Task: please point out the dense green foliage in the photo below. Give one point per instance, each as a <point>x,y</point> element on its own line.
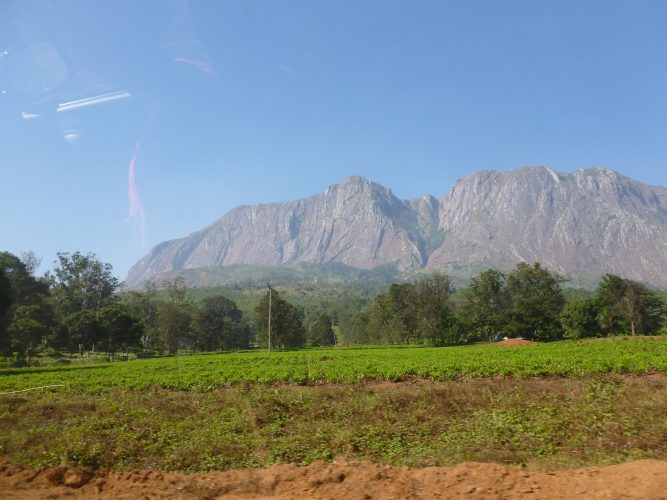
<point>30,317</point>
<point>207,371</point>
<point>485,303</point>
<point>286,328</point>
<point>78,309</point>
<point>417,312</point>
<point>322,333</point>
<point>338,300</point>
<point>220,325</point>
<point>526,303</point>
<point>6,298</point>
<point>625,305</point>
<point>536,301</point>
<point>171,320</point>
<point>529,303</point>
<point>579,319</point>
<point>81,283</point>
<point>6,301</point>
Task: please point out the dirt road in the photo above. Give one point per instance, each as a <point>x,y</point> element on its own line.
<point>645,479</point>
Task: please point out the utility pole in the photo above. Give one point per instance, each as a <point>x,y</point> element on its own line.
<point>268,285</point>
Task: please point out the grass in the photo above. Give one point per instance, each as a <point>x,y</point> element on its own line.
<point>548,406</point>
<point>545,423</point>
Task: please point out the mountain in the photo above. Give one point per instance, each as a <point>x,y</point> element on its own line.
<point>582,225</point>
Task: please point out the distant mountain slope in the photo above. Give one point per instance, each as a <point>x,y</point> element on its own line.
<point>586,223</point>
<point>589,222</point>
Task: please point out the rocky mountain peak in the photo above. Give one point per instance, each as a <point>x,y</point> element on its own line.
<point>354,181</point>
<point>588,222</point>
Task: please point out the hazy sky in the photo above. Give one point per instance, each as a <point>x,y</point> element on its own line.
<point>224,103</point>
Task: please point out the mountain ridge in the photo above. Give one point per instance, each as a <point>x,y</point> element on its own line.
<point>587,222</point>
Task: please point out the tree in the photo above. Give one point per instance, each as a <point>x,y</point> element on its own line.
<point>218,324</point>
<point>109,329</point>
<point>145,305</point>
<point>354,328</point>
<point>608,295</point>
<point>31,262</point>
<point>118,328</point>
<point>81,286</point>
<point>485,304</point>
<point>81,331</point>
<point>174,316</point>
<point>322,333</point>
<point>30,324</point>
<point>6,298</point>
<point>25,288</point>
<point>625,304</point>
<point>422,311</point>
<point>29,297</point>
<point>81,282</point>
<point>432,297</point>
<point>287,330</point>
<point>579,319</point>
<point>6,301</point>
<point>536,301</point>
<point>392,316</point>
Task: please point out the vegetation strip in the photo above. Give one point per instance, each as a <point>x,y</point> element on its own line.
<point>546,423</point>
<point>80,309</point>
<point>336,365</point>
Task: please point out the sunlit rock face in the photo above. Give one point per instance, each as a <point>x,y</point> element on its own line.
<point>586,223</point>
<point>357,222</point>
<point>590,222</point>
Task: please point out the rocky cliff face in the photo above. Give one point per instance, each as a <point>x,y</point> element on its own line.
<point>587,223</point>
<point>356,222</point>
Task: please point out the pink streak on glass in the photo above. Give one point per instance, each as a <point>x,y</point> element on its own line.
<point>136,212</point>
<point>132,193</point>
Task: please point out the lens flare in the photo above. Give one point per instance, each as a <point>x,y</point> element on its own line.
<point>197,63</point>
<point>135,212</point>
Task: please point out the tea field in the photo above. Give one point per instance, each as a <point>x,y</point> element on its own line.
<point>349,365</point>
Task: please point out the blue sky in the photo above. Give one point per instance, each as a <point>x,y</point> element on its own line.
<point>245,102</point>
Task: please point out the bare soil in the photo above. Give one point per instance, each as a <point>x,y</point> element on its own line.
<point>512,342</point>
<point>645,479</point>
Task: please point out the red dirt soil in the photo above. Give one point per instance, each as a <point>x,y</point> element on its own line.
<point>645,479</point>
<point>511,342</point>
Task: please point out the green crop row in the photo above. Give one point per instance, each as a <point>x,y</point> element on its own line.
<point>340,365</point>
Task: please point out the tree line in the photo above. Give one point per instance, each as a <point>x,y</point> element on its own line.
<point>527,302</point>
<point>79,307</point>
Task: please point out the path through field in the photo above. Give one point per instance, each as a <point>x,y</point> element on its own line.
<point>644,479</point>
